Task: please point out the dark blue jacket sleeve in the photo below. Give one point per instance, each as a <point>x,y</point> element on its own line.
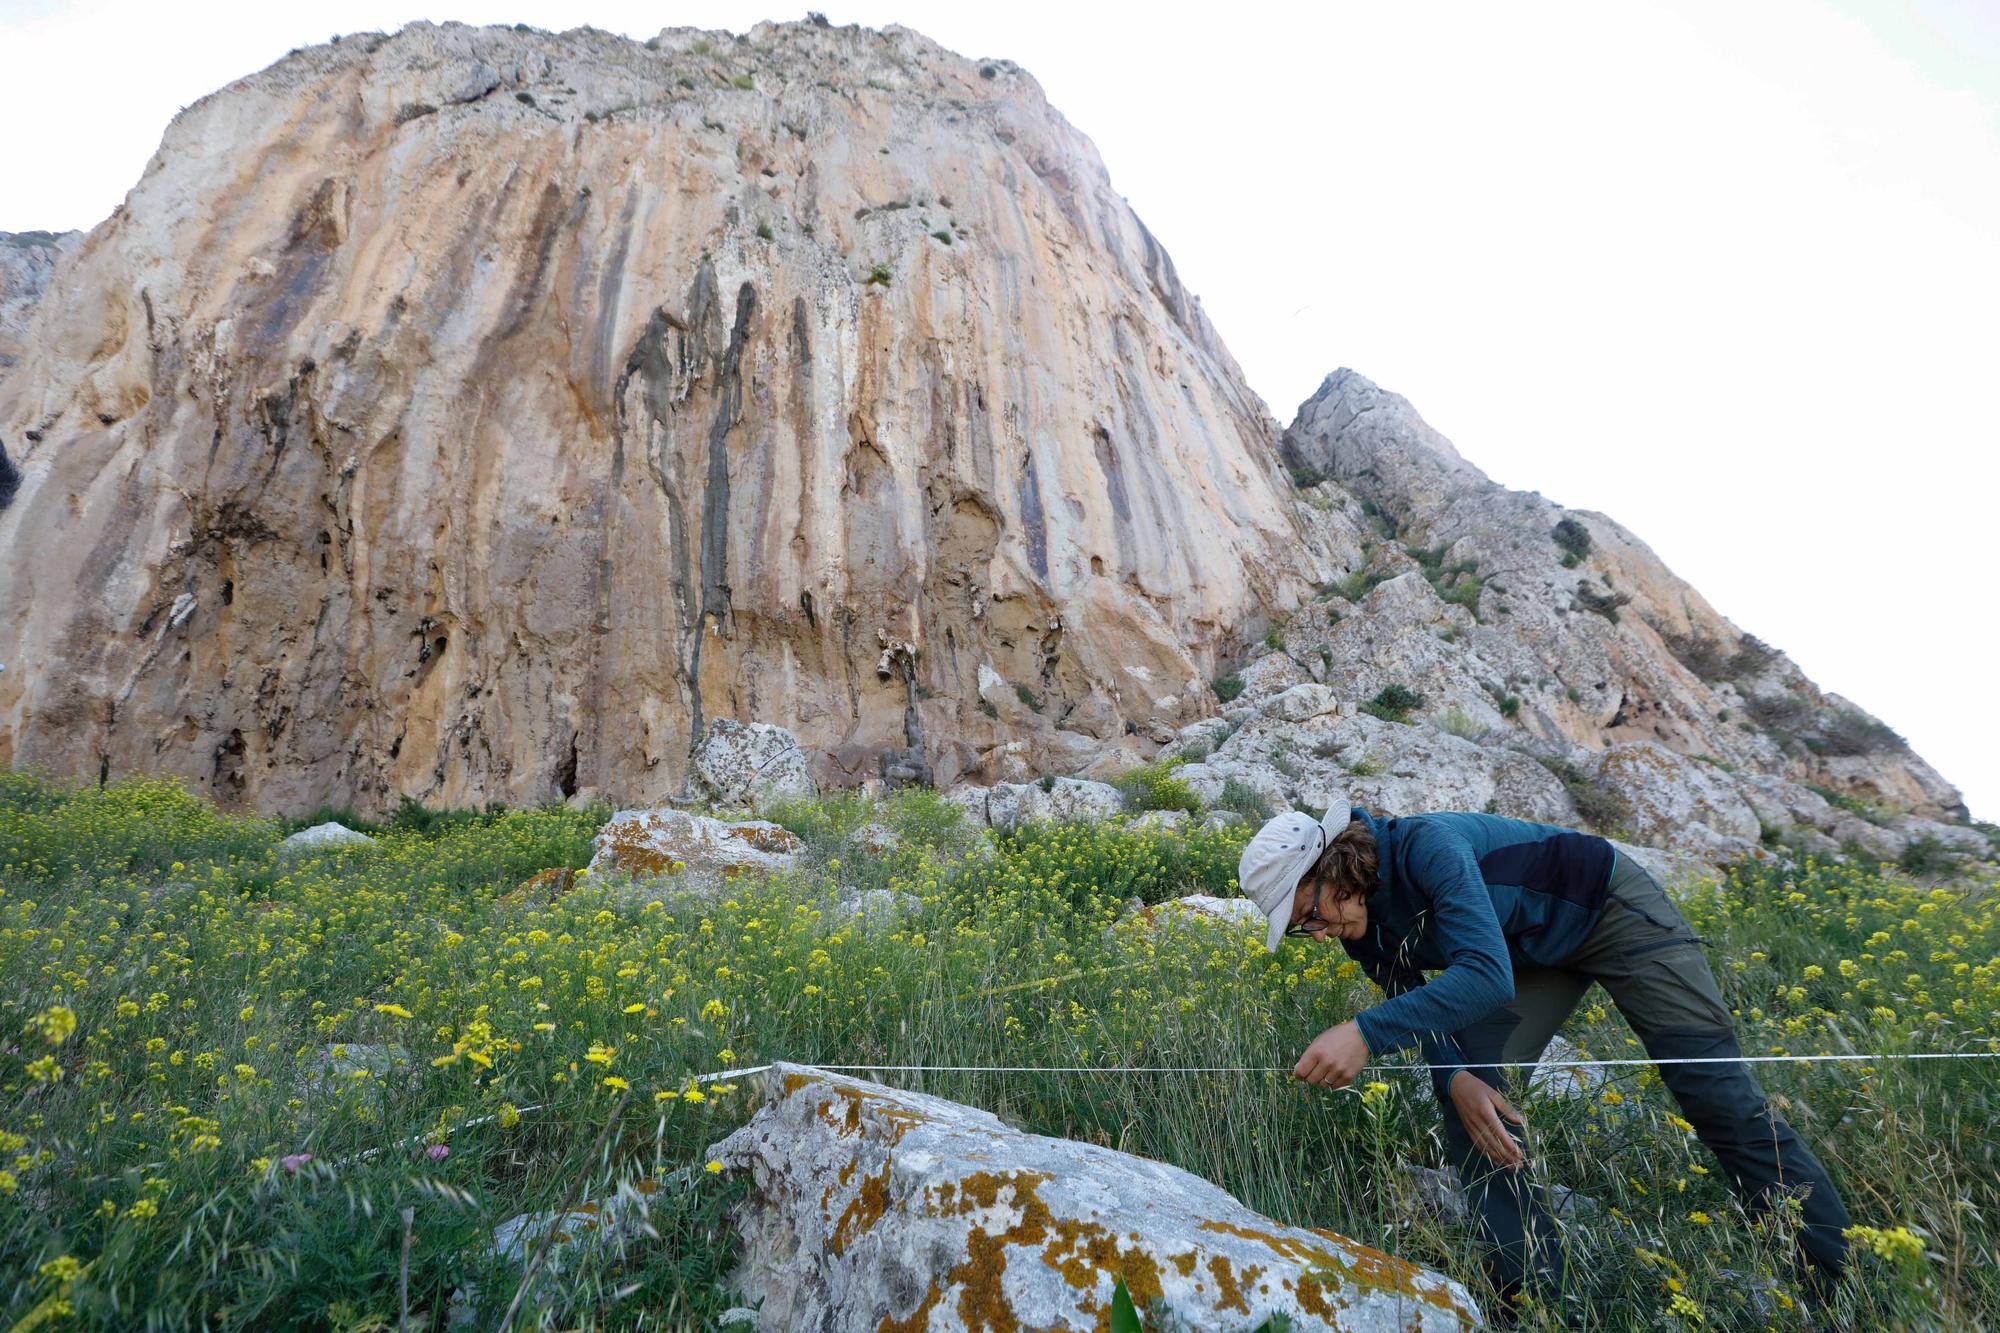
<point>1478,978</point>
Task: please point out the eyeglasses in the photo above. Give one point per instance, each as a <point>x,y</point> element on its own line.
<point>1304,929</point>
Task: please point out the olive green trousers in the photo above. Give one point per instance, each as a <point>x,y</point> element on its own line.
<point>1643,953</point>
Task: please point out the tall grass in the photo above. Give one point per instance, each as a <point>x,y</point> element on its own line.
<point>226,1137</point>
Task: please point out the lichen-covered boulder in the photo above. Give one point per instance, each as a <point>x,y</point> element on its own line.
<point>876,1208</point>
<point>752,765</point>
<point>646,844</point>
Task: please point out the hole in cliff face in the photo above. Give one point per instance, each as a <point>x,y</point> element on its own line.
<point>566,772</point>
<point>228,765</point>
<point>806,605</point>
<point>10,478</point>
<point>228,591</point>
<point>1097,565</point>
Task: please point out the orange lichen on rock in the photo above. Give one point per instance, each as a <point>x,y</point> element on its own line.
<point>543,886</point>
<point>1360,1263</point>
<point>766,837</point>
<point>633,849</point>
<point>863,1211</point>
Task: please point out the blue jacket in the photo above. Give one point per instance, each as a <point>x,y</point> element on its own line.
<point>1468,896</point>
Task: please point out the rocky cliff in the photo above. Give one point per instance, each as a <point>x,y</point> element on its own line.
<point>473,413</point>
<point>477,413</point>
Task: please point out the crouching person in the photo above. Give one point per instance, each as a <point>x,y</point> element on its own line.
<point>1514,921</point>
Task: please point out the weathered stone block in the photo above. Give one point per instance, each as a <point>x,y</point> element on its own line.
<point>876,1208</point>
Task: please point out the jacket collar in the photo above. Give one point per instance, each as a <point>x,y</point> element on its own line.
<point>1386,833</point>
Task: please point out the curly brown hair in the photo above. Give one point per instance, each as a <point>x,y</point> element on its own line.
<point>1348,865</point>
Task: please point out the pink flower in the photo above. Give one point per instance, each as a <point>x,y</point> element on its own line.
<point>295,1161</point>
<point>437,1152</point>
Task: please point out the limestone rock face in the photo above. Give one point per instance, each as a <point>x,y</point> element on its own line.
<point>1474,604</point>
<point>473,414</point>
<point>1679,804</point>
<point>874,1207</point>
<point>27,261</point>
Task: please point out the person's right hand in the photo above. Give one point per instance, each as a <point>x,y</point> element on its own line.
<point>1480,1108</point>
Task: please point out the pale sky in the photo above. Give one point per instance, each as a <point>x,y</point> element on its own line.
<point>1727,272</point>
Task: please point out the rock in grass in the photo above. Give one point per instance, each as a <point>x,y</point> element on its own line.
<point>340,1064</point>
<point>752,765</point>
<point>1201,909</point>
<point>322,836</point>
<point>878,909</point>
<point>648,844</point>
<point>875,1208</point>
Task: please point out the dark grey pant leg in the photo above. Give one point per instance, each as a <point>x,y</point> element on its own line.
<point>1644,953</point>
<point>1511,1204</point>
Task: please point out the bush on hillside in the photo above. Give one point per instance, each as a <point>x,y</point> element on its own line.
<point>1574,539</point>
<point>1154,787</point>
<point>1243,799</point>
<point>1394,703</point>
<point>1604,604</point>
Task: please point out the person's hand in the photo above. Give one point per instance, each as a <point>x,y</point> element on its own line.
<point>1480,1108</point>
<point>1334,1058</point>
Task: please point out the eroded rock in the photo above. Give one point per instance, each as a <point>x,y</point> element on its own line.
<point>647,844</point>
<point>874,1207</point>
<point>321,837</point>
<point>752,765</point>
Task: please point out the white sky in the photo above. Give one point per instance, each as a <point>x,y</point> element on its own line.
<point>1727,272</point>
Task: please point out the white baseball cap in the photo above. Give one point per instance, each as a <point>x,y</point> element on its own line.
<point>1277,858</point>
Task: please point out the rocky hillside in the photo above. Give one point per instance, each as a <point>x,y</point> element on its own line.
<point>481,413</point>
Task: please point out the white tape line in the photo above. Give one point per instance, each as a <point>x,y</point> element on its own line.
<point>1286,1069</point>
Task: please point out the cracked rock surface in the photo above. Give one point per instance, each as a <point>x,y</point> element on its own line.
<point>873,1207</point>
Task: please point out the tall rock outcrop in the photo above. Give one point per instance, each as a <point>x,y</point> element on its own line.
<point>475,413</point>
<point>1557,628</point>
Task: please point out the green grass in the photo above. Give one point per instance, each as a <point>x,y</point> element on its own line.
<point>1154,787</point>
<point>144,1177</point>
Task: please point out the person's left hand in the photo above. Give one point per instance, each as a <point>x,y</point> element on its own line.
<point>1335,1057</point>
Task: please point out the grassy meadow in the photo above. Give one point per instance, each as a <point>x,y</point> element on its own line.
<point>228,1076</point>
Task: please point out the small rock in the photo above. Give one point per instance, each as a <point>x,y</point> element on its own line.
<point>336,1065</point>
<point>1202,909</point>
<point>320,837</point>
<point>1556,1076</point>
<point>873,839</point>
<point>878,909</point>
<point>1273,673</point>
<point>1301,703</point>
